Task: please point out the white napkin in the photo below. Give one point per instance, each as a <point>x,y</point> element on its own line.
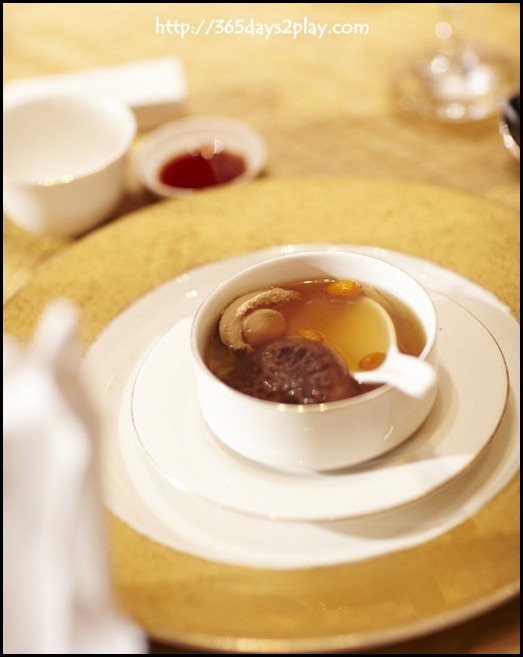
<point>153,88</point>
<point>57,592</point>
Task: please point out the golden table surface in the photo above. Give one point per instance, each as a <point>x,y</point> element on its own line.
<point>325,108</point>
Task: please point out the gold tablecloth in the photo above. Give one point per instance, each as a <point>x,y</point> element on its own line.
<point>324,105</point>
<point>325,109</point>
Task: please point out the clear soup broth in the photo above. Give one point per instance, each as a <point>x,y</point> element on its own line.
<point>326,312</point>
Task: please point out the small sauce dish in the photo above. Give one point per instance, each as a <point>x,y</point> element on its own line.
<point>191,154</point>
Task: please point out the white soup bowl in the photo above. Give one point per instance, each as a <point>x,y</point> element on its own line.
<point>321,436</point>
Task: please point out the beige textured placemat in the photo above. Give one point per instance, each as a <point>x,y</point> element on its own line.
<point>324,106</point>
<point>108,269</point>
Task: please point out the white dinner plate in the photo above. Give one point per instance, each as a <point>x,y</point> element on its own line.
<point>184,521</point>
<point>184,451</point>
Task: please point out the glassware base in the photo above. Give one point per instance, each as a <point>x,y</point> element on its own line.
<point>468,88</point>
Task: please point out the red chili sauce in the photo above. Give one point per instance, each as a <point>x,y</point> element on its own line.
<point>202,169</point>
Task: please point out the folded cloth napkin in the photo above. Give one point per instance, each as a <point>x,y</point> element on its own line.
<point>57,591</point>
<point>153,88</point>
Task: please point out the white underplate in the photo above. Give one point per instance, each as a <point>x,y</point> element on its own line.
<point>178,137</point>
<point>184,451</point>
<point>135,492</point>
